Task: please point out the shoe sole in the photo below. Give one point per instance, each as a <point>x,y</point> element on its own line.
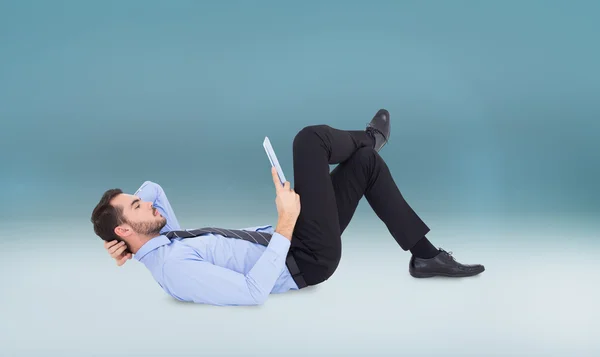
<point>431,275</point>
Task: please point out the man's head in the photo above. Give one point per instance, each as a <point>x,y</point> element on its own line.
<point>124,217</point>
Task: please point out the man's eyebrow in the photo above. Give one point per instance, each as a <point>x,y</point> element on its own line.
<point>135,201</point>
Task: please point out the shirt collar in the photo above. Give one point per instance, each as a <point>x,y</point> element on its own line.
<point>151,245</point>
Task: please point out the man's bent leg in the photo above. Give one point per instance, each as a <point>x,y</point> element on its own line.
<point>366,173</point>
<point>324,216</point>
<point>316,242</point>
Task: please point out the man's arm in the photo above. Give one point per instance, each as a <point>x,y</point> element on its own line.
<point>202,282</point>
<point>152,192</point>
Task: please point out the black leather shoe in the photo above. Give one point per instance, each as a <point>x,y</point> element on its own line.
<point>379,128</point>
<point>442,264</point>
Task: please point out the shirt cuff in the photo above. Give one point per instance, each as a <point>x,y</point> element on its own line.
<point>279,244</point>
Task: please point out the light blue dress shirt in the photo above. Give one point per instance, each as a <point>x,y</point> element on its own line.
<point>212,269</point>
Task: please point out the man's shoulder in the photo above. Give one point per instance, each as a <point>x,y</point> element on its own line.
<point>173,266</point>
<point>179,253</point>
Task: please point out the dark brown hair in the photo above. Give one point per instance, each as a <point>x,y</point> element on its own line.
<point>107,217</point>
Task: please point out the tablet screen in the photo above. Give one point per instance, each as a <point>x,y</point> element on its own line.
<point>273,159</point>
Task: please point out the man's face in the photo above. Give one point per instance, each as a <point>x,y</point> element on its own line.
<point>139,215</point>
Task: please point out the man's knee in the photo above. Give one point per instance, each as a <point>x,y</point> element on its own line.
<point>309,134</point>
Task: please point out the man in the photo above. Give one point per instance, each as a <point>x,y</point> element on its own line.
<point>242,267</point>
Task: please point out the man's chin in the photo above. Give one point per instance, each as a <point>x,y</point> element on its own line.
<point>156,231</point>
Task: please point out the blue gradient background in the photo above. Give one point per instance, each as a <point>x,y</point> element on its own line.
<point>495,144</point>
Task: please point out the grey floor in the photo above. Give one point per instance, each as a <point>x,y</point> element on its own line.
<point>63,296</point>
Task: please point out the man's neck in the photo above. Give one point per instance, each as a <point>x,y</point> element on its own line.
<point>136,243</point>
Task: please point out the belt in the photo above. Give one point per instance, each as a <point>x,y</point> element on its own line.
<point>297,275</point>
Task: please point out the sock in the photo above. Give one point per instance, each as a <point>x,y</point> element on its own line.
<point>424,249</point>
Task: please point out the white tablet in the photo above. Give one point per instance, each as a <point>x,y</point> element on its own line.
<point>273,159</point>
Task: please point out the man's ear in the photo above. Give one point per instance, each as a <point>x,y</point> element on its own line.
<point>123,230</point>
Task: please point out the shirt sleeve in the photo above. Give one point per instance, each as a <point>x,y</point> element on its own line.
<point>198,281</point>
<point>153,192</point>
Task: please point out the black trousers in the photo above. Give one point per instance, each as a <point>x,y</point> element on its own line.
<point>329,200</point>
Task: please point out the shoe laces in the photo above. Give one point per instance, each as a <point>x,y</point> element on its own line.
<point>373,130</point>
<point>449,253</point>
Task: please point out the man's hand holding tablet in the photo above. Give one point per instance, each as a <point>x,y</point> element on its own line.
<point>287,200</point>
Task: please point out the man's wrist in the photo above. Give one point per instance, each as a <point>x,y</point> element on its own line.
<point>285,226</point>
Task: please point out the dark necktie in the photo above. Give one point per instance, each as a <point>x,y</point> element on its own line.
<point>251,236</point>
